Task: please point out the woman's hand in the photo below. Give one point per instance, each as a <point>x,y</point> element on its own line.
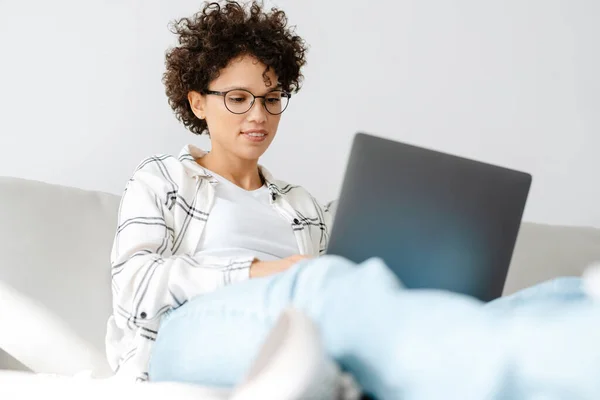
<point>259,268</point>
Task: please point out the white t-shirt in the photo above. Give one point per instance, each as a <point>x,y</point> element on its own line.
<point>243,223</point>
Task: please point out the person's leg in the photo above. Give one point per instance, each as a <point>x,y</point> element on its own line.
<point>213,339</point>
<point>397,343</point>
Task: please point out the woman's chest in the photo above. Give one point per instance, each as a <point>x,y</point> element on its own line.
<point>224,216</point>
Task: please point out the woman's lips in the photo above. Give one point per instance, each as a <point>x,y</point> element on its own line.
<point>257,135</point>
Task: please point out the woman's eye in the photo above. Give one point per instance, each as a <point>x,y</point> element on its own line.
<point>237,99</point>
<point>274,100</point>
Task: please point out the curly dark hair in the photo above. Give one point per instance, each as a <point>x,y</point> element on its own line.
<point>211,38</point>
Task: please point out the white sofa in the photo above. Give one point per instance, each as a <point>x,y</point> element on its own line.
<point>55,245</point>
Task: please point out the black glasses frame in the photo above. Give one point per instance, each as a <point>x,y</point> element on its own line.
<point>264,98</point>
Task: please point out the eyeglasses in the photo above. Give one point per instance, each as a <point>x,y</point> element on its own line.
<point>240,101</point>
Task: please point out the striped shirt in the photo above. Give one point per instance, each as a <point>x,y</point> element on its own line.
<point>155,268</point>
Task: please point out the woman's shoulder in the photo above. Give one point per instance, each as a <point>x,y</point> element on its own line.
<point>161,172</point>
<point>299,194</point>
<point>294,193</point>
<point>159,163</point>
<point>285,188</point>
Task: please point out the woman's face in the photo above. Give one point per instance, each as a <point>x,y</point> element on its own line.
<point>248,135</point>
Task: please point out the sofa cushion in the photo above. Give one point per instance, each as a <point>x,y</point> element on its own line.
<point>55,246</point>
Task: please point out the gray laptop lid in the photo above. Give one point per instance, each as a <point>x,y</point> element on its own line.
<point>438,221</point>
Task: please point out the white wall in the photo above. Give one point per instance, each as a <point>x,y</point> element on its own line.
<point>510,82</point>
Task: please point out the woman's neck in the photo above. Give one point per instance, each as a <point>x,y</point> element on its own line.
<point>243,173</point>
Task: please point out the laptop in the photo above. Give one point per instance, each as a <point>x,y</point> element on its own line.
<point>437,220</point>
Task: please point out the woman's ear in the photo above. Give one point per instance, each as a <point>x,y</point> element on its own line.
<point>197,104</point>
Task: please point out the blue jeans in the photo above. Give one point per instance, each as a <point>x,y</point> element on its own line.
<point>409,344</point>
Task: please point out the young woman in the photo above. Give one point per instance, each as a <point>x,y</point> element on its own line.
<point>195,231</point>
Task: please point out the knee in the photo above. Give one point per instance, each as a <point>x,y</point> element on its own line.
<point>334,273</point>
<point>322,270</point>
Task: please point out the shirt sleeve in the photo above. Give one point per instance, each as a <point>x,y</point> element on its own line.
<point>147,279</point>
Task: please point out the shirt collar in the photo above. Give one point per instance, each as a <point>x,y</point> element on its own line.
<point>190,153</point>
